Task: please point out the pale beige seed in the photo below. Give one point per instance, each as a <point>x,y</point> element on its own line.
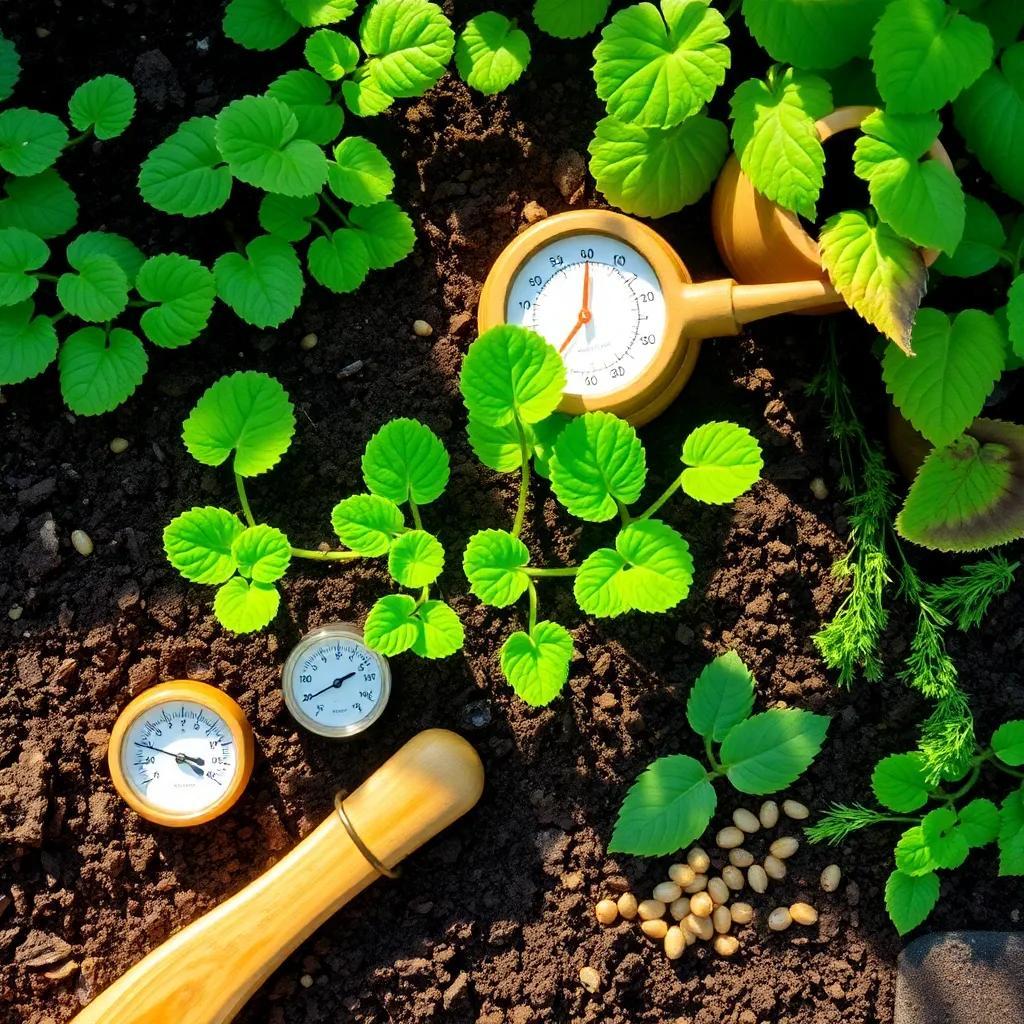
<point>308,342</point>
<point>650,910</point>
<point>682,874</point>
<point>627,906</point>
<point>819,488</point>
<point>733,877</point>
<point>701,905</point>
<point>721,919</point>
<point>699,884</point>
<point>654,929</point>
<point>15,612</point>
<point>718,890</point>
<point>675,943</point>
<point>729,838</point>
<point>779,919</point>
<point>687,935</point>
<point>81,542</point>
<point>422,329</point>
<point>680,908</point>
<point>757,878</point>
<point>743,819</point>
<point>740,858</point>
<point>606,912</point>
<point>803,913</point>
<point>742,913</point>
<point>667,892</point>
<point>784,846</point>
<point>831,877</point>
<point>768,815</point>
<point>795,810</point>
<point>726,945</point>
<point>306,981</point>
<point>700,926</point>
<point>774,868</point>
<point>590,979</point>
<point>119,445</point>
<point>698,860</point>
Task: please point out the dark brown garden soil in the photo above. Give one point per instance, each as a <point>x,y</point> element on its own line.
<point>492,922</point>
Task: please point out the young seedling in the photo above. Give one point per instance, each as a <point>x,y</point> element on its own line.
<point>247,417</point>
<point>512,382</point>
<point>674,800</point>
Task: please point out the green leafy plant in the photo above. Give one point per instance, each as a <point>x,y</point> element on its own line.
<point>491,53</point>
<point>673,801</point>
<point>248,418</point>
<point>945,823</point>
<point>512,383</point>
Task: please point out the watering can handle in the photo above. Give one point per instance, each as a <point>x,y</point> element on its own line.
<point>205,973</point>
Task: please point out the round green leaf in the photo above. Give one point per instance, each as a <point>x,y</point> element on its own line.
<point>722,697</point>
<point>667,808</point>
<point>28,343</point>
<point>184,291</point>
<point>96,291</point>
<point>406,461</point>
<point>386,230</point>
<point>408,43</point>
<point>652,172</point>
<point>390,627</point>
<point>723,461</point>
<point>319,12</point>
<point>946,843</point>
<point>978,822</point>
<point>494,563</point>
<point>98,372</point>
<point>309,98</point>
<point>598,464</point>
<point>331,55</point>
<point>360,173</point>
<point>30,141</point>
<point>287,217</point>
<point>498,448</point>
<point>657,68</point>
<point>244,607</point>
<point>912,854</point>
<point>416,559</point>
<point>123,251</point>
<point>910,899</point>
<point>21,252</point>
<point>899,782</point>
<point>186,174</point>
<point>247,413</point>
<point>262,553</point>
<point>439,631</point>
<point>367,523</point>
<point>199,543</point>
<point>263,287</point>
<point>362,95</point>
<point>569,19</point>
<point>491,53</point>
<point>340,262</point>
<point>259,24</point>
<point>257,136</point>
<point>537,665</point>
<point>770,751</point>
<point>1008,743</point>
<point>511,372</point>
<point>10,67</point>
<point>106,104</point>
<point>980,246</point>
<point>43,204</point>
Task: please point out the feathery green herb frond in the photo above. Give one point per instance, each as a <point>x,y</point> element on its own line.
<point>965,599</point>
<point>842,819</point>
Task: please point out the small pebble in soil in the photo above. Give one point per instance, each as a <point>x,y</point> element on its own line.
<point>768,815</point>
<point>351,370</point>
<point>795,810</point>
<point>308,342</point>
<point>780,919</point>
<point>422,329</point>
<point>627,906</point>
<point>726,945</point>
<point>81,542</point>
<point>774,868</point>
<point>306,981</point>
<point>745,820</point>
<point>803,913</point>
<point>590,979</point>
<point>477,714</point>
<point>119,445</point>
<point>819,488</point>
<point>784,846</point>
<point>533,212</point>
<point>14,612</point>
<point>831,877</point>
<point>606,911</point>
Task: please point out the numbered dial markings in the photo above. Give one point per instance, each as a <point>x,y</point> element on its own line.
<point>179,757</point>
<point>599,302</point>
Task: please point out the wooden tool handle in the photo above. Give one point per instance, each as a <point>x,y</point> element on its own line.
<point>207,972</point>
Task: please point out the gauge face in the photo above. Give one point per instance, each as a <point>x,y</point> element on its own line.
<point>179,757</point>
<point>334,684</point>
<point>599,302</point>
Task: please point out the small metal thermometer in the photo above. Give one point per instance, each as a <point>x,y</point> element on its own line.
<point>334,685</point>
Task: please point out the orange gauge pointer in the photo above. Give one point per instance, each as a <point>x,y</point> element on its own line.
<point>585,315</point>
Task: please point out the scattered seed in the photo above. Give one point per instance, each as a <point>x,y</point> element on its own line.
<point>422,329</point>
<point>733,877</point>
<point>700,926</point>
<point>656,929</point>
<point>81,542</point>
<point>308,341</point>
<point>688,936</point>
<point>701,905</point>
<point>819,488</point>
<point>743,819</point>
<point>675,943</point>
<point>774,868</point>
<point>698,860</point>
<point>699,884</point>
<point>784,846</point>
<point>742,913</point>
<point>682,874</point>
<point>721,919</point>
<point>650,910</point>
<point>680,908</point>
<point>726,945</point>
<point>729,838</point>
<point>628,906</point>
<point>740,858</point>
<point>717,890</point>
<point>590,979</point>
<point>15,612</point>
<point>606,911</point>
<point>768,815</point>
<point>119,445</point>
<point>831,877</point>
<point>803,913</point>
<point>306,981</point>
<point>795,810</point>
<point>757,878</point>
<point>667,892</point>
<point>779,919</point>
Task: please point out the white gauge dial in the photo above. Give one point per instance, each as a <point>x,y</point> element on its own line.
<point>599,302</point>
<point>333,683</point>
<point>179,757</point>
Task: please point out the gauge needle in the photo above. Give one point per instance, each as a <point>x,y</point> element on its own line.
<point>585,315</point>
<point>336,685</point>
<point>192,762</point>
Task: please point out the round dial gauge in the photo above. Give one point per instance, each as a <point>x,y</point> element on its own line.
<point>181,753</point>
<point>334,685</point>
<point>598,300</point>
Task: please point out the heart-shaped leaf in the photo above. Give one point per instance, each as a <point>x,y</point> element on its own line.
<point>309,98</point>
<point>770,751</point>
<point>262,553</point>
<point>242,606</point>
<point>390,627</point>
<point>416,559</point>
<point>406,461</point>
<point>30,141</point>
<point>199,543</point>
<point>491,53</point>
<point>339,262</point>
<point>1008,743</point>
<point>723,461</point>
<point>362,95</point>
<point>186,174</point>
<point>899,782</point>
<point>409,44</point>
<point>367,523</point>
<point>1011,834</point>
<point>440,631</point>
<point>912,855</point>
<point>96,291</point>
<point>946,843</point>
<point>184,292</point>
<point>360,173</point>
<point>979,822</point>
<point>537,665</point>
<point>264,287</point>
<point>99,371</point>
<point>43,204</point>
<point>123,251</point>
<point>105,104</point>
<point>28,343</point>
<point>21,252</point>
<point>330,54</point>
<point>288,217</point>
<point>386,230</point>
<point>10,68</point>
<point>722,697</point>
<point>495,565</point>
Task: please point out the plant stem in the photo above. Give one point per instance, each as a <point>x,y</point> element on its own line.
<point>243,499</point>
<point>325,556</point>
<point>541,574</point>
<point>668,492</point>
<point>1006,768</point>
<point>524,480</point>
<point>967,786</point>
<point>45,277</point>
<point>624,515</point>
<point>322,225</point>
<point>710,754</point>
<point>424,595</point>
<point>532,591</point>
<point>78,138</point>
<point>414,508</point>
<point>335,209</point>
